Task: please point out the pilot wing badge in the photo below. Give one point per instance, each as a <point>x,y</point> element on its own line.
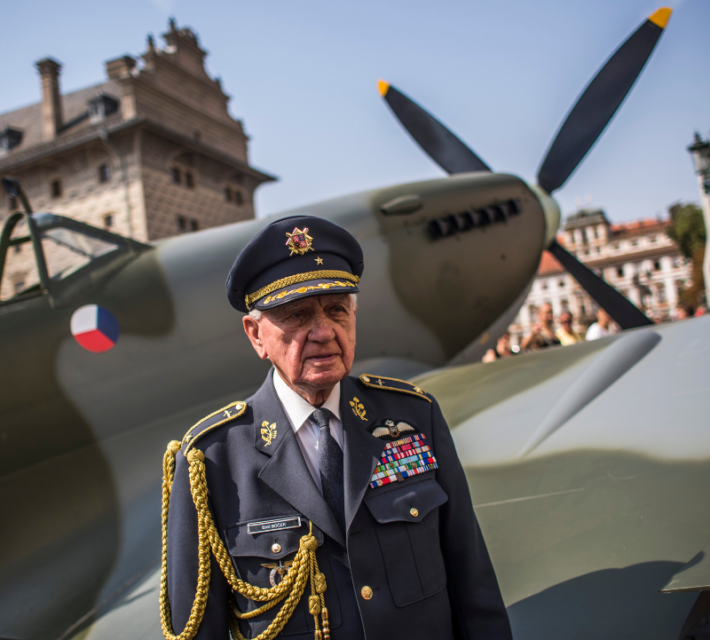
<point>393,430</point>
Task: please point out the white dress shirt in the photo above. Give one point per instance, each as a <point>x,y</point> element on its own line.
<point>298,411</point>
<point>596,331</point>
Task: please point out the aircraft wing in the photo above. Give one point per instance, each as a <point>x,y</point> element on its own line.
<point>585,465</point>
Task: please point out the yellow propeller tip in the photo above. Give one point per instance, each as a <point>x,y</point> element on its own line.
<point>383,87</point>
<point>661,17</point>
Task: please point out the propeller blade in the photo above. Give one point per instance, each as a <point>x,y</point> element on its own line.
<point>442,146</point>
<point>623,312</point>
<point>597,105</point>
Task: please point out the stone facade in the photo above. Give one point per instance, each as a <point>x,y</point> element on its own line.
<point>637,258</point>
<point>150,153</point>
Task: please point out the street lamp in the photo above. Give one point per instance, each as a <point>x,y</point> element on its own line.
<point>700,152</point>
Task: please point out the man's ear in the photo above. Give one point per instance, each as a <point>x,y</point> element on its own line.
<point>253,331</point>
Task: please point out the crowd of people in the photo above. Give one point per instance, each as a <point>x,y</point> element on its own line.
<point>545,334</point>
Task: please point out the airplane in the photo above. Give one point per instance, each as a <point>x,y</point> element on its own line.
<point>105,362</point>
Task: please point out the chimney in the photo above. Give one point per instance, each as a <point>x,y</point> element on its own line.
<point>52,118</point>
<point>120,67</point>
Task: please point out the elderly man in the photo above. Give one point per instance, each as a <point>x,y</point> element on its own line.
<point>324,506</point>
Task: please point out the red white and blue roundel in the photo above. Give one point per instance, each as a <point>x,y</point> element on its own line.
<point>94,328</point>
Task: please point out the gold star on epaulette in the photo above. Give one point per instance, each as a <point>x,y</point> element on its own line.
<point>393,384</point>
<point>212,421</point>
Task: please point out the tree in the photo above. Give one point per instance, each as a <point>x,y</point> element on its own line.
<point>687,230</point>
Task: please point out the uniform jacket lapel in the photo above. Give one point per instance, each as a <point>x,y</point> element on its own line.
<point>286,471</point>
<point>361,450</point>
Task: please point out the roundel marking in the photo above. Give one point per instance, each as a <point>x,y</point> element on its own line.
<point>94,328</point>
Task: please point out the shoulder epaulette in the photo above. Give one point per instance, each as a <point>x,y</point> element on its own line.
<point>393,384</point>
<point>212,421</point>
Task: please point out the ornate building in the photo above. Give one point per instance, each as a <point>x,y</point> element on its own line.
<point>150,153</point>
<point>637,258</point>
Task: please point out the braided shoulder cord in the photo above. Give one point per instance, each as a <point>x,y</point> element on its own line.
<point>291,588</point>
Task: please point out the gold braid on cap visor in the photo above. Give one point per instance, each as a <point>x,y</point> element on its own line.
<point>251,298</point>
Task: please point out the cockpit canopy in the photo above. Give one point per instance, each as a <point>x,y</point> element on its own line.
<point>64,259</point>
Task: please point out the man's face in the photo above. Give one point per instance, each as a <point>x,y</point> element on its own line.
<point>603,318</point>
<point>311,342</point>
<point>566,321</point>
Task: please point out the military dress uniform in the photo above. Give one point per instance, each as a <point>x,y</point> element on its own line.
<point>404,559</point>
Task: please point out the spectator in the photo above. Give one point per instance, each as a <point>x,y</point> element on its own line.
<point>543,333</point>
<point>700,311</point>
<point>600,328</point>
<point>502,350</point>
<point>566,334</point>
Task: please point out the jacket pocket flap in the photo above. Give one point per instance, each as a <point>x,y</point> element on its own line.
<point>408,503</point>
<point>253,539</point>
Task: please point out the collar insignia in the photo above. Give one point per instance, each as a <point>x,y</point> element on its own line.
<point>299,241</point>
<point>358,408</point>
<point>268,432</point>
<point>391,429</point>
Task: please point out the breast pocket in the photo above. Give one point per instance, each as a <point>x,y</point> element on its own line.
<point>261,553</point>
<point>408,533</point>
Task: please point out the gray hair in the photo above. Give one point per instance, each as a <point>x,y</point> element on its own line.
<point>256,313</point>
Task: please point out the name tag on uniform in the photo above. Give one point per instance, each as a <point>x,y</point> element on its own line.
<point>278,524</point>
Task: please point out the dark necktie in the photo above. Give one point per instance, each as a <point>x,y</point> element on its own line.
<point>330,461</point>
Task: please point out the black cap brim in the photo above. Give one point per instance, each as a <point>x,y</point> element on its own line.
<point>326,286</point>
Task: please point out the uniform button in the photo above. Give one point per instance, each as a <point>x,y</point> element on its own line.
<point>365,379</point>
<point>366,593</point>
<point>276,547</point>
<point>413,512</point>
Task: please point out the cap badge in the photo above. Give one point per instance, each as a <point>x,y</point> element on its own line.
<point>299,241</point>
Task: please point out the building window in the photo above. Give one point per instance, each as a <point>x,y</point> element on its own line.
<point>634,242</point>
<point>661,294</point>
<point>18,285</point>
<point>598,249</point>
<point>104,173</point>
<point>543,285</point>
<point>564,305</point>
<point>194,225</point>
<point>177,175</point>
<point>182,223</point>
<point>616,246</point>
<point>238,198</point>
<point>619,272</point>
<point>227,194</point>
<point>652,239</point>
<point>189,180</point>
<point>55,188</point>
<point>584,236</point>
<point>656,265</point>
<point>108,220</point>
<point>18,248</point>
<point>561,283</point>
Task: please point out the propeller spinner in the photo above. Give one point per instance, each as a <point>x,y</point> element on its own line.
<point>581,128</point>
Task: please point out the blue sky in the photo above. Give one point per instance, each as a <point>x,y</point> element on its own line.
<point>502,75</point>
